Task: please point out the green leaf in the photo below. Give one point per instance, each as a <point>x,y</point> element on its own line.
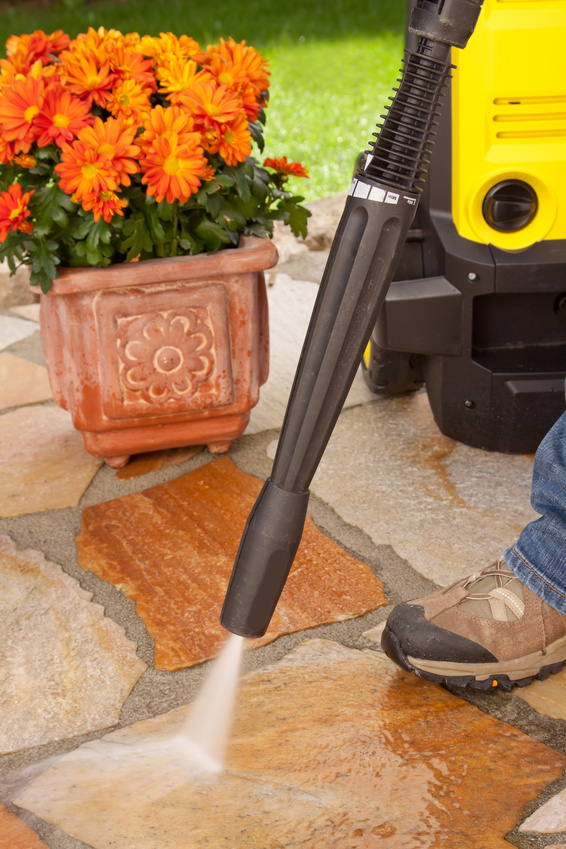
<point>138,238</point>
<point>155,227</point>
<point>43,254</point>
<point>256,131</point>
<point>238,172</point>
<point>212,235</point>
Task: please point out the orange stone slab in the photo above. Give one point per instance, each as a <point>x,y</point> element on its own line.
<point>15,834</point>
<point>172,547</point>
<point>332,748</point>
<point>22,382</point>
<point>141,464</point>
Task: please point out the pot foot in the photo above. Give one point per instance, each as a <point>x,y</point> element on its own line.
<point>219,447</point>
<point>117,462</point>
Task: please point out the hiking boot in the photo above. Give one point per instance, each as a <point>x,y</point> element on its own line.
<point>484,631</point>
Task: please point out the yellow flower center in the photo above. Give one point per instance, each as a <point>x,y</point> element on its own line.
<point>60,120</point>
<point>124,100</point>
<point>89,170</point>
<point>107,149</point>
<point>171,165</point>
<point>229,137</point>
<point>15,213</point>
<point>30,113</point>
<point>212,109</point>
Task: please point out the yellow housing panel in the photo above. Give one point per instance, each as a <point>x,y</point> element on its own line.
<point>509,118</point>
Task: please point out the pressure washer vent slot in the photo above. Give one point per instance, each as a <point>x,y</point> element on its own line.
<point>529,117</point>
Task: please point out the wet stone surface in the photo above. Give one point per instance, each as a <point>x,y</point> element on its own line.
<point>171,549</point>
<point>407,773</point>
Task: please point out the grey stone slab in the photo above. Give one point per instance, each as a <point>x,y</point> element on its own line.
<point>13,329</point>
<point>446,508</point>
<point>290,306</point>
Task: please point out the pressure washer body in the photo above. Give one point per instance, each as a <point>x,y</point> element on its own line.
<point>366,249</point>
<point>477,309</point>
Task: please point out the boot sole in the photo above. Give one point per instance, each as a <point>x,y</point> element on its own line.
<point>480,676</point>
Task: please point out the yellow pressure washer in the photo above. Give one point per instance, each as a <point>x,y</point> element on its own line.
<point>477,310</point>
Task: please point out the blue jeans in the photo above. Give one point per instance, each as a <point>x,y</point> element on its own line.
<point>538,558</point>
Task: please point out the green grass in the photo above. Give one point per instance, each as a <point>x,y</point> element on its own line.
<point>333,65</point>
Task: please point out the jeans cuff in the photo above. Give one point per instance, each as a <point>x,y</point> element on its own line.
<point>529,576</point>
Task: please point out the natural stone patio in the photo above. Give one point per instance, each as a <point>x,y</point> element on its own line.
<point>332,746</point>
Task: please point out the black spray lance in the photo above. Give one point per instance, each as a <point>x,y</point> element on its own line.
<point>365,252</point>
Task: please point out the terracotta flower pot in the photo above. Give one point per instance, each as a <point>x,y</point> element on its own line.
<point>161,353</point>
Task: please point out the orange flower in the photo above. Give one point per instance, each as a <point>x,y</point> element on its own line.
<point>104,204</point>
<point>173,171</point>
<point>235,141</point>
<point>83,171</point>
<point>61,117</point>
<point>178,76</point>
<point>6,151</point>
<point>129,101</point>
<point>20,104</point>
<point>168,47</point>
<point>129,64</point>
<point>24,50</point>
<point>84,76</point>
<point>283,167</point>
<point>249,60</point>
<point>211,104</point>
<point>113,143</point>
<point>163,123</point>
<point>14,211</point>
<point>236,80</point>
<point>25,160</point>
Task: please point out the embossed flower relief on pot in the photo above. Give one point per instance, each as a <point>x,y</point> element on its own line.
<point>165,356</point>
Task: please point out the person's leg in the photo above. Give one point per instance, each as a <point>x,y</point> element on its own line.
<point>538,557</point>
<point>506,624</point>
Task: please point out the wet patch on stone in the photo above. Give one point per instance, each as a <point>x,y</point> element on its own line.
<point>22,382</point>
<point>331,747</point>
<point>15,834</point>
<point>171,548</point>
<point>547,697</point>
<point>43,461</point>
<point>65,668</point>
<point>142,464</point>
<point>446,508</point>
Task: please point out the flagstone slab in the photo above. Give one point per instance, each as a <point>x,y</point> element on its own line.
<point>13,329</point>
<point>43,461</point>
<point>550,818</point>
<point>22,382</point>
<point>290,306</point>
<point>28,311</point>
<point>446,508</point>
<point>65,668</point>
<point>15,834</point>
<point>547,697</point>
<point>171,548</point>
<point>331,747</point>
<point>142,464</point>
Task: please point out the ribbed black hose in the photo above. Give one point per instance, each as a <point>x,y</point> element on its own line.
<point>400,155</point>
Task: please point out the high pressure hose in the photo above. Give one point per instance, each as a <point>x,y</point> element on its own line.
<point>366,249</point>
